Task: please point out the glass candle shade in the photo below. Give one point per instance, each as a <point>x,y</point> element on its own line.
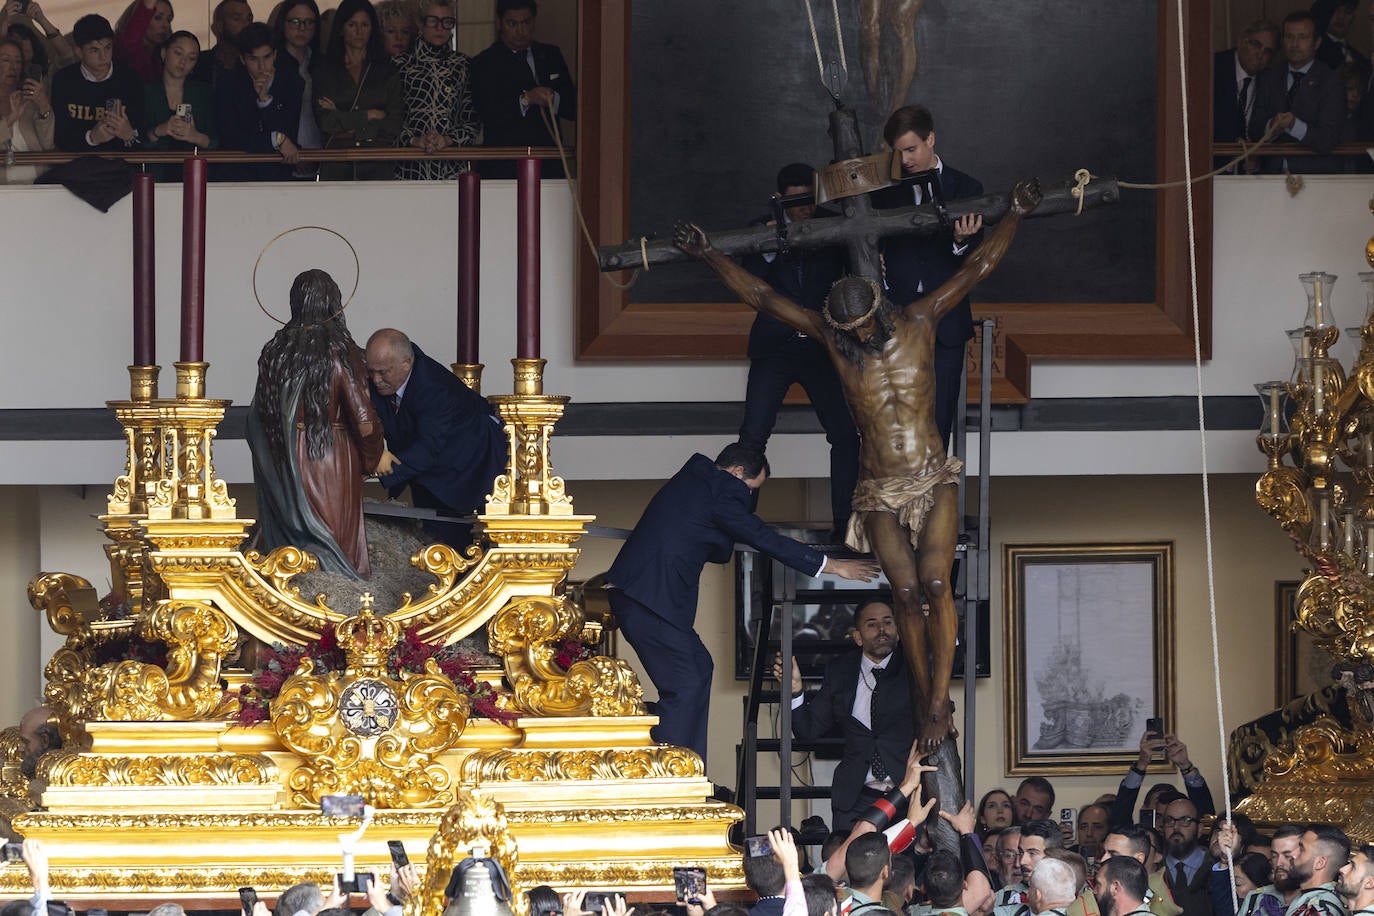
<point>1317,285</point>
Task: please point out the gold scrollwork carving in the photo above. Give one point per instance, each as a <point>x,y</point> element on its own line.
<point>223,769</point>
<point>198,636</point>
<point>282,565</point>
<point>473,820</point>
<point>524,634</point>
<point>1280,492</point>
<point>445,564</point>
<point>515,765</point>
<point>1320,773</point>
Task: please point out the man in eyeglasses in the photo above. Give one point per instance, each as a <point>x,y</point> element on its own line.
<point>439,110</point>
<point>1235,73</point>
<point>1186,862</point>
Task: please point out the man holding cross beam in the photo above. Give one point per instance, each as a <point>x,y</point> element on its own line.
<point>905,506</point>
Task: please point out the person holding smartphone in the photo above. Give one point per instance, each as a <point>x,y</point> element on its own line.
<point>180,109</point>
<point>1156,743</point>
<point>97,101</point>
<point>26,122</point>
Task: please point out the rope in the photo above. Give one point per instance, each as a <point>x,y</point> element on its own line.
<point>1202,440</point>
<point>839,33</point>
<point>552,124</point>
<point>815,40</point>
<point>1083,176</point>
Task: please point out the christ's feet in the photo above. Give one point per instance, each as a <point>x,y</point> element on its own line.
<point>937,726</point>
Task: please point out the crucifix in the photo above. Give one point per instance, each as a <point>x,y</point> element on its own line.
<point>905,509</point>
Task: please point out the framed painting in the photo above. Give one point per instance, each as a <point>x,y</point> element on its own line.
<point>1302,666</point>
<point>1089,653</point>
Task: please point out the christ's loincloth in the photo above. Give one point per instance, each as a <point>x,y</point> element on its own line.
<point>908,498</point>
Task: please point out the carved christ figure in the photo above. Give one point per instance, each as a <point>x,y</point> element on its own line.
<point>905,507</point>
<point>900,17</point>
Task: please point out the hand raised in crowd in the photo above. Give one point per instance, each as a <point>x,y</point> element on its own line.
<point>262,86</point>
<point>336,897</point>
<point>19,103</point>
<point>967,226</point>
<point>13,8</point>
<point>707,901</point>
<point>327,104</point>
<point>36,858</point>
<point>965,821</point>
<point>911,779</point>
<point>179,128</point>
<point>857,569</point>
<point>402,884</point>
<point>290,152</point>
<point>785,850</point>
<point>1149,747</point>
<point>260,909</point>
<point>1177,752</point>
<point>796,673</point>
<point>118,124</point>
<point>1225,841</point>
<point>37,96</point>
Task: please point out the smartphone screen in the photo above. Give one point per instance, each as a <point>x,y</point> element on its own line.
<point>341,805</point>
<point>398,854</point>
<point>758,846</point>
<point>689,884</point>
<point>248,898</point>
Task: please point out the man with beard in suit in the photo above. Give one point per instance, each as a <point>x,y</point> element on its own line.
<point>443,440</point>
<point>863,698</point>
<point>516,83</point>
<point>915,265</point>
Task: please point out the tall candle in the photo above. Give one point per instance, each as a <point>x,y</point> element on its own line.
<point>145,308</point>
<point>527,259</point>
<point>193,261</point>
<point>1274,410</point>
<point>469,265</point>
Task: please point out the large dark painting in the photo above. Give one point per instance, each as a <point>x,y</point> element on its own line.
<point>724,92</point>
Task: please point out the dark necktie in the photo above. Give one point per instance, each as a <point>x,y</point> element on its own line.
<point>1243,98</point>
<point>876,764</point>
<point>396,403</point>
<point>1180,876</point>
<point>1297,76</point>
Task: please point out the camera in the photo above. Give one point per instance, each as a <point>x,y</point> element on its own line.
<point>14,852</point>
<point>342,805</point>
<point>112,107</point>
<point>756,846</point>
<point>361,881</point>
<point>689,884</point>
<point>595,901</point>
<point>184,111</point>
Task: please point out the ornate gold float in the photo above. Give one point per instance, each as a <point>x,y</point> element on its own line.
<point>1323,497</point>
<point>157,790</point>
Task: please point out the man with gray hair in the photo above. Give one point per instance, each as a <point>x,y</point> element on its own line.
<point>1052,887</point>
<point>302,899</point>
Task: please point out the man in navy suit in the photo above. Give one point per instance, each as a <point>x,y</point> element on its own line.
<point>517,82</point>
<point>1304,99</point>
<point>780,356</point>
<point>1235,77</point>
<point>442,438</point>
<point>258,109</point>
<point>916,265</point>
<point>694,519</point>
<point>864,699</point>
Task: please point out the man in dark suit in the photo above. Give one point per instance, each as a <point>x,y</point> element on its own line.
<point>696,518</point>
<point>515,83</point>
<point>864,699</point>
<point>258,109</point>
<point>780,356</point>
<point>1187,863</point>
<point>1305,99</point>
<point>916,265</point>
<point>1334,19</point>
<point>442,438</point>
<point>1234,74</point>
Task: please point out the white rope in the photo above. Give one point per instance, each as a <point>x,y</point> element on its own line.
<point>839,33</point>
<point>815,40</point>
<point>1202,438</point>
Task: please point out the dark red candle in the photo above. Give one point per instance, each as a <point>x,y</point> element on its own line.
<point>145,310</point>
<point>527,260</point>
<point>469,255</point>
<point>193,261</point>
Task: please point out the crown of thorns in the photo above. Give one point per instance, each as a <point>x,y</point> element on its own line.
<point>872,310</point>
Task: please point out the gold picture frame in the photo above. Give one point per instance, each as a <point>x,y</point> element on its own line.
<point>1077,694</point>
<point>1302,667</point>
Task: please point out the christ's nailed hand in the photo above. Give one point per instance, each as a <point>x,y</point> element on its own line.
<point>692,239</point>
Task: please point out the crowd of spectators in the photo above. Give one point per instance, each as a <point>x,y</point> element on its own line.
<point>356,77</point>
<point>1302,82</point>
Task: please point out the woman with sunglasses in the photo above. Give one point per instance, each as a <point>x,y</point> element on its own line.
<point>439,111</point>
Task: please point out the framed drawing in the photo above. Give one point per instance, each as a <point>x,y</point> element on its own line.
<point>1302,667</point>
<point>1089,653</point>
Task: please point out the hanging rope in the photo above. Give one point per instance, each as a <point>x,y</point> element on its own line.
<point>1202,439</point>
<point>551,123</point>
<point>816,43</point>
